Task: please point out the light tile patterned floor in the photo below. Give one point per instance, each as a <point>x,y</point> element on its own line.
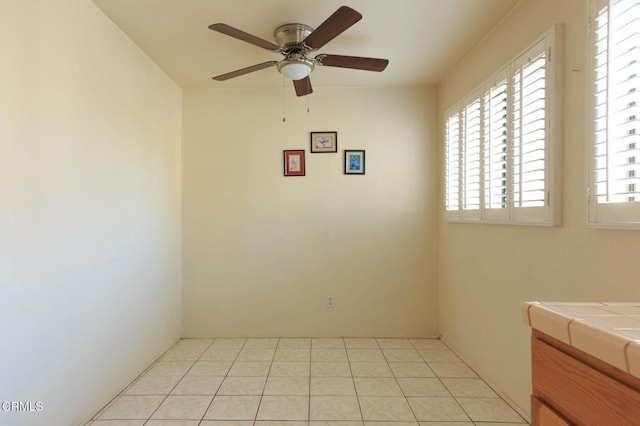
<point>262,382</point>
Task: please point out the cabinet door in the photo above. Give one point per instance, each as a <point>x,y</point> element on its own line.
<point>549,418</point>
<point>580,393</point>
<point>544,416</point>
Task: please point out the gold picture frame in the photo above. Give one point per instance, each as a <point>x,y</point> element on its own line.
<point>324,142</point>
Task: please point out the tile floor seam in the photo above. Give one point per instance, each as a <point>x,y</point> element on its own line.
<point>182,378</point>
<point>264,388</point>
<point>439,378</point>
<point>214,394</point>
<point>223,379</point>
<point>353,382</point>
<point>128,386</point>
<point>402,390</point>
<point>163,400</point>
<point>309,400</point>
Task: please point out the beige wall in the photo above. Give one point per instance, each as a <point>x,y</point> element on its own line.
<point>487,271</point>
<point>90,256</point>
<point>89,210</point>
<point>262,251</point>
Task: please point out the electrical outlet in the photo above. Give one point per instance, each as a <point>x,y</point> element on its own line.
<point>331,302</point>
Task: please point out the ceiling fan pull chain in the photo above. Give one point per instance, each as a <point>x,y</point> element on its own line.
<point>284,119</point>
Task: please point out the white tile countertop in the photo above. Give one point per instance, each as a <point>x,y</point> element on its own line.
<point>607,331</point>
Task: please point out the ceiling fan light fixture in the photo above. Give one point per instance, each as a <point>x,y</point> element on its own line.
<point>295,68</point>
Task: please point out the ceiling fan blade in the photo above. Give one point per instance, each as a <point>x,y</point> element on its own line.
<point>241,35</point>
<point>303,86</point>
<point>356,62</point>
<point>335,24</point>
<point>243,71</point>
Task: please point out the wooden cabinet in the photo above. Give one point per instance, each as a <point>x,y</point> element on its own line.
<point>543,415</point>
<point>571,387</point>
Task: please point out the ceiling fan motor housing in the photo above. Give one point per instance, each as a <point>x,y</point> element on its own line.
<point>291,34</point>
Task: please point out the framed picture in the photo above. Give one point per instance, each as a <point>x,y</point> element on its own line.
<point>353,162</point>
<point>294,162</point>
<point>324,142</point>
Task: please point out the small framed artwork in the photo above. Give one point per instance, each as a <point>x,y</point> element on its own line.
<point>294,162</point>
<point>324,142</point>
<point>353,162</point>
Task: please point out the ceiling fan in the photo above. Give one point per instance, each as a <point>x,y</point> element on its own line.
<point>295,42</point>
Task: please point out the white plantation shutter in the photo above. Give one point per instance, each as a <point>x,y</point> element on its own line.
<point>529,134</point>
<point>495,148</point>
<point>471,158</point>
<point>502,143</point>
<point>452,162</point>
<point>614,192</point>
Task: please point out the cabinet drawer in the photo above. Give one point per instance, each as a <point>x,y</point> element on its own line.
<point>580,393</point>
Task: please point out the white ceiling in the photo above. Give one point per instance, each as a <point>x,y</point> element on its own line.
<point>423,39</point>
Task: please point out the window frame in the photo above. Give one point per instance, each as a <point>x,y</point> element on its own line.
<point>549,44</point>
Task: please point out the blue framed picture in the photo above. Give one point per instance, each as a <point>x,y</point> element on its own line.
<point>353,162</point>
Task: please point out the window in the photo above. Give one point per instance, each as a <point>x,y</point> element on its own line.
<point>614,185</point>
<point>501,143</point>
